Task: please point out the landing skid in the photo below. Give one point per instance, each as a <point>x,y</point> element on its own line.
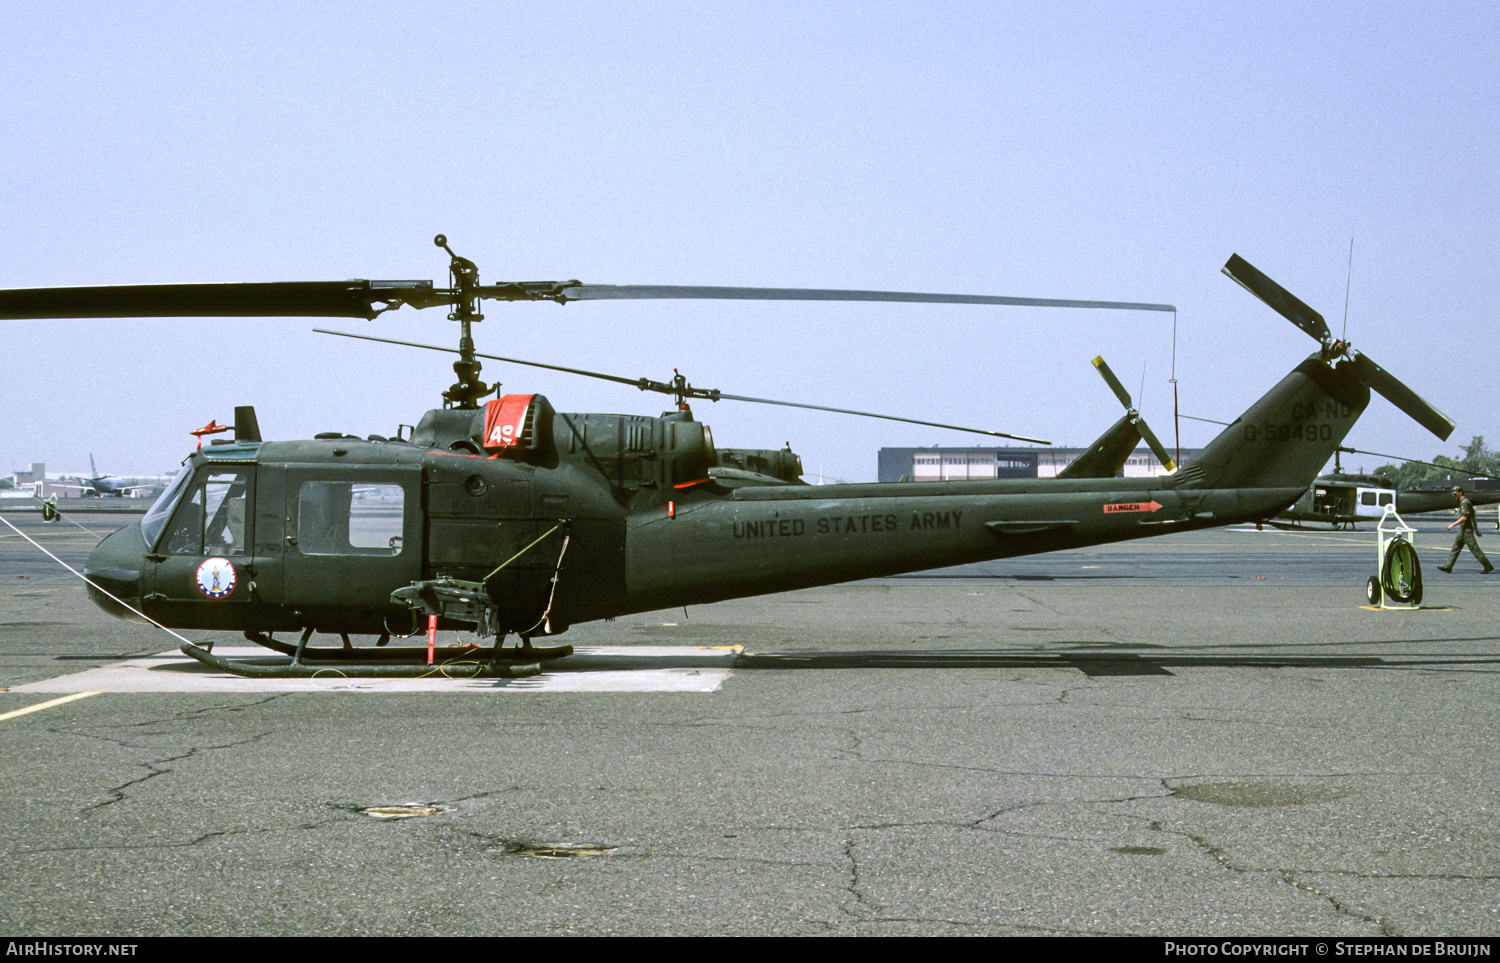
<point>520,653</point>
<point>404,662</point>
<point>281,667</point>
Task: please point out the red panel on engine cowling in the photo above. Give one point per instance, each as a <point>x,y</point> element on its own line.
<point>503,420</point>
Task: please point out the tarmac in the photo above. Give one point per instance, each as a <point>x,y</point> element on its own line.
<point>1207,734</point>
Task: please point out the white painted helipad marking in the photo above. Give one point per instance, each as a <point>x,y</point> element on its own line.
<point>632,668</point>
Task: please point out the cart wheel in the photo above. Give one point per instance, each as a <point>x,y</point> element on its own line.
<point>1372,590</point>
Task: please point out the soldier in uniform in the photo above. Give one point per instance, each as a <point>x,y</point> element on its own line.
<point>1468,531</point>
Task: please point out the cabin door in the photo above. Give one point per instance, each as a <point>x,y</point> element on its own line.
<point>352,536</point>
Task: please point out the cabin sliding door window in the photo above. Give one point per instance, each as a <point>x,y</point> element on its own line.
<point>344,518</point>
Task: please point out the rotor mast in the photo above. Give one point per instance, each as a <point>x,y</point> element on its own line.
<point>463,278</point>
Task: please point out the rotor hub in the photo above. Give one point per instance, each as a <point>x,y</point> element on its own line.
<point>463,278</point>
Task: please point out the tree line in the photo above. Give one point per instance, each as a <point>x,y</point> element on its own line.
<point>1477,459</point>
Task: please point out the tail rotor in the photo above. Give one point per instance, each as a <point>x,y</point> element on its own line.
<point>1135,416</point>
<point>1284,303</point>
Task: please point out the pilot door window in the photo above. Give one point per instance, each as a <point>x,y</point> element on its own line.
<point>211,521</point>
<point>344,518</point>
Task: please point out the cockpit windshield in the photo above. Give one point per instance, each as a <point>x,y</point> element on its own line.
<point>210,520</point>
<point>161,509</point>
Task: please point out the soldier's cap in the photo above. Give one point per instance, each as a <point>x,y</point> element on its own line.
<point>1457,490</point>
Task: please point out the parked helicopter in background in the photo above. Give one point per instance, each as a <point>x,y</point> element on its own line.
<point>510,517</point>
<point>1341,500</point>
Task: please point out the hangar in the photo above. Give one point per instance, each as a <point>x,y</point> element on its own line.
<point>962,464</point>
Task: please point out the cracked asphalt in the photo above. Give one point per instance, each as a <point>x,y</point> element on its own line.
<point>1204,734</point>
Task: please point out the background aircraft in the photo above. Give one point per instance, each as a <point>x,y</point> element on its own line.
<point>111,485</point>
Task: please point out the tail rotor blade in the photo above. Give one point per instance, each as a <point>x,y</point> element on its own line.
<point>1402,397</point>
<point>1113,382</point>
<point>1156,445</point>
<point>1282,301</point>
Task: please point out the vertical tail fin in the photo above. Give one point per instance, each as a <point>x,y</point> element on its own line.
<point>1106,456</point>
<point>1286,437</point>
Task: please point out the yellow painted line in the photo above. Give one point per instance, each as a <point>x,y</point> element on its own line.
<point>50,703</point>
<point>1408,608</point>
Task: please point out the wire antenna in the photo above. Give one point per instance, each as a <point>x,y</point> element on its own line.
<point>1348,279</point>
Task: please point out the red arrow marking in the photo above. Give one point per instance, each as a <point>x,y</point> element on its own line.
<point>1131,507</point>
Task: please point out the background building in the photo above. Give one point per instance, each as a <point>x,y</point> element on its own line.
<point>960,464</point>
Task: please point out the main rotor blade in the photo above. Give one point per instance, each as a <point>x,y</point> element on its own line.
<point>574,291</point>
<point>295,299</point>
<point>1113,382</point>
<point>1402,397</point>
<point>365,299</point>
<point>1282,301</point>
<point>1417,461</point>
<point>867,414</point>
<point>643,383</point>
<point>646,384</point>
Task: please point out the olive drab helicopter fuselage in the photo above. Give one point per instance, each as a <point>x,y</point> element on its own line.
<point>1343,501</point>
<point>509,517</point>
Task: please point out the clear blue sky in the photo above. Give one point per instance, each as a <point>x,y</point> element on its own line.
<point>1092,150</point>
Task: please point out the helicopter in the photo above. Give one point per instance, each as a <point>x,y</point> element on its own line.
<point>1343,500</point>
<point>513,518</point>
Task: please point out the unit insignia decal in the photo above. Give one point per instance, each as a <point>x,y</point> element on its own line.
<point>216,578</point>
